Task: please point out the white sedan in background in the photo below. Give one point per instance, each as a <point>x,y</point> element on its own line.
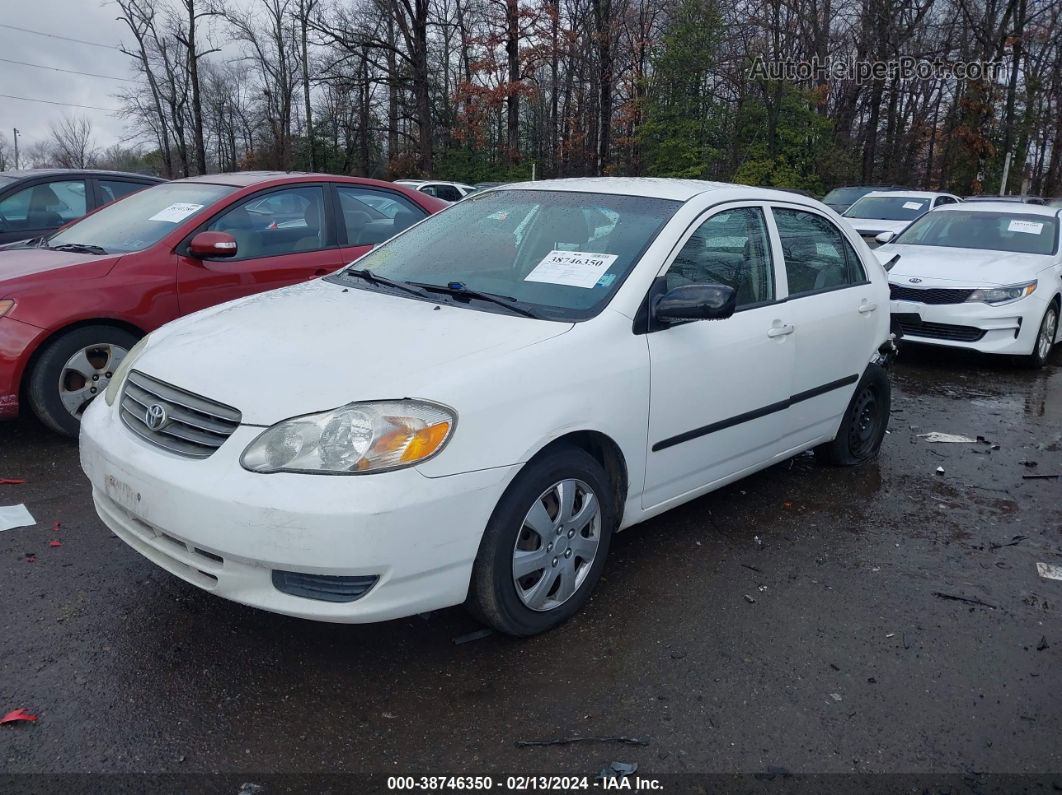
<point>467,413</point>
<point>892,211</point>
<point>447,191</point>
<point>983,276</point>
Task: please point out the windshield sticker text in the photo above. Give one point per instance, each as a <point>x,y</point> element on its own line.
<point>1028,227</point>
<point>571,268</point>
<point>912,205</point>
<point>176,213</point>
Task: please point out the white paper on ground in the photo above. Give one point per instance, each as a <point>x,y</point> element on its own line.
<point>912,205</point>
<point>1028,227</point>
<point>12,516</point>
<point>937,436</point>
<point>176,212</point>
<point>571,268</point>
<point>1049,571</point>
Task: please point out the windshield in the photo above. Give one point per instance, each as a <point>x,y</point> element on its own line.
<point>844,195</point>
<point>1019,233</point>
<point>888,208</point>
<point>560,254</point>
<point>141,219</point>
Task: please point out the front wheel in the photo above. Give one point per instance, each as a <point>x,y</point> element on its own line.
<point>864,423</point>
<point>545,544</point>
<point>1045,339</point>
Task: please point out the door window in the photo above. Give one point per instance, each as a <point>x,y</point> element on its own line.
<point>45,206</point>
<point>945,200</point>
<point>113,189</point>
<point>279,222</point>
<point>447,193</point>
<point>373,216</point>
<point>817,255</point>
<point>730,248</point>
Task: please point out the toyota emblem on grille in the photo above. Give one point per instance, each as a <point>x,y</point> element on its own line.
<point>156,417</point>
<point>915,281</point>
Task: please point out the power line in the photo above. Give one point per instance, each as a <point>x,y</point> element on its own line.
<point>64,38</point>
<point>67,71</point>
<point>65,104</point>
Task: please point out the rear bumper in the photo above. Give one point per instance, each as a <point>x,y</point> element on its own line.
<point>1008,329</point>
<point>16,341</point>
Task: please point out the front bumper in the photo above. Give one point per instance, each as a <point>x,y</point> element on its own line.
<point>15,340</point>
<point>226,530</point>
<point>1007,329</point>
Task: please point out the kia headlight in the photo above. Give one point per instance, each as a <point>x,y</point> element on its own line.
<point>1003,295</point>
<point>355,439</point>
<point>124,366</point>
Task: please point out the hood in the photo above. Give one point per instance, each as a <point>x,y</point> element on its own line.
<point>961,267</point>
<point>876,225</point>
<point>22,262</point>
<point>319,345</point>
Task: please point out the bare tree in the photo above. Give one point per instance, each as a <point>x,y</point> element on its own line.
<point>72,142</point>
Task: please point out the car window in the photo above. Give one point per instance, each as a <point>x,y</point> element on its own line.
<point>816,254</point>
<point>1017,232</point>
<point>371,216</point>
<point>945,200</point>
<point>447,193</point>
<point>730,248</point>
<point>114,189</point>
<point>888,208</point>
<point>279,222</point>
<point>44,206</point>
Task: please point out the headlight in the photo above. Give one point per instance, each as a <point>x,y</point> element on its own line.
<point>6,306</point>
<point>1003,295</point>
<point>124,367</point>
<point>354,439</point>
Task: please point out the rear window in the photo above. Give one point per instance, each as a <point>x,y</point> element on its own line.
<point>888,208</point>
<point>844,195</point>
<point>1019,233</point>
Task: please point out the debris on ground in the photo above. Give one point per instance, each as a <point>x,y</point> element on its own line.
<point>940,470</point>
<point>1039,477</point>
<point>617,770</point>
<point>947,438</point>
<point>16,715</point>
<point>1049,571</point>
<point>835,696</point>
<point>1042,644</point>
<point>752,568</point>
<point>468,637</point>
<point>11,482</point>
<point>1014,541</point>
<point>55,543</point>
<point>31,557</point>
<point>749,599</point>
<point>12,516</point>
<point>965,599</point>
<point>574,740</point>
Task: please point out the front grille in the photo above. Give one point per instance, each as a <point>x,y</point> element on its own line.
<point>928,296</point>
<point>941,331</point>
<point>194,427</point>
<point>323,587</point>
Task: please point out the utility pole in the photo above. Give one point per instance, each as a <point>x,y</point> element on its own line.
<point>16,147</point>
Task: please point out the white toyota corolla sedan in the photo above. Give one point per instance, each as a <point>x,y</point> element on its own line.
<point>468,412</point>
<point>984,276</point>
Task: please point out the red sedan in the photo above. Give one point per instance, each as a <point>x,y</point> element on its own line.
<point>70,309</point>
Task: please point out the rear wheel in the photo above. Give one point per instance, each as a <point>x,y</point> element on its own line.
<point>1045,339</point>
<point>545,545</point>
<point>864,423</point>
<point>72,371</point>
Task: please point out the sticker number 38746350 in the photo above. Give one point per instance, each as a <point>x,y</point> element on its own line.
<point>571,268</point>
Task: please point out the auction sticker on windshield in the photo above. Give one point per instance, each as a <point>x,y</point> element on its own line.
<point>571,268</point>
<point>1028,227</point>
<point>176,213</point>
<point>912,205</point>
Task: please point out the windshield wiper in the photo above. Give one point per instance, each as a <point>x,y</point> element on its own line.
<point>81,248</point>
<point>372,278</point>
<point>459,289</point>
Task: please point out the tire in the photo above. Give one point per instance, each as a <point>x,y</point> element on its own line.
<point>548,595</point>
<point>60,385</point>
<point>864,423</point>
<point>1045,339</point>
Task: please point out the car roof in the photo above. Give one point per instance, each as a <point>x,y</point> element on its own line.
<point>1017,208</point>
<point>907,194</point>
<point>26,173</point>
<point>649,187</point>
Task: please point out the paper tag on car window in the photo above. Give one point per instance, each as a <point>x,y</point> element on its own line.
<point>1028,227</point>
<point>571,268</point>
<point>176,213</point>
<point>912,205</point>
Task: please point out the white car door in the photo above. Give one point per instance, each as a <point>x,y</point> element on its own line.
<point>719,388</point>
<point>834,310</point>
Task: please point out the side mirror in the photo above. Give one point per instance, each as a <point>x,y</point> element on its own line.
<point>695,302</point>
<point>212,244</point>
<point>886,237</point>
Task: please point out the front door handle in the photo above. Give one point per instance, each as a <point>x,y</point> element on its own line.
<point>866,307</point>
<point>780,331</point>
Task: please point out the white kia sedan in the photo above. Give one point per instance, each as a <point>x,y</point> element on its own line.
<point>983,275</point>
<point>467,413</point>
<point>892,211</point>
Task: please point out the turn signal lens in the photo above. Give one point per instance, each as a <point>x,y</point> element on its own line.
<point>6,306</point>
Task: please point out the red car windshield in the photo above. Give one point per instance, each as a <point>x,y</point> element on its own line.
<point>142,219</point>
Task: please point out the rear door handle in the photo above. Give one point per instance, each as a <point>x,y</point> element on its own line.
<point>866,307</point>
<point>780,331</point>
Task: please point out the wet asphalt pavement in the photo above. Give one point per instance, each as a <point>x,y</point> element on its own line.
<point>790,621</point>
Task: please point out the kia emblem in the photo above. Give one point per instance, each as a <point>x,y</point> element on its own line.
<point>156,417</point>
<point>915,281</point>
